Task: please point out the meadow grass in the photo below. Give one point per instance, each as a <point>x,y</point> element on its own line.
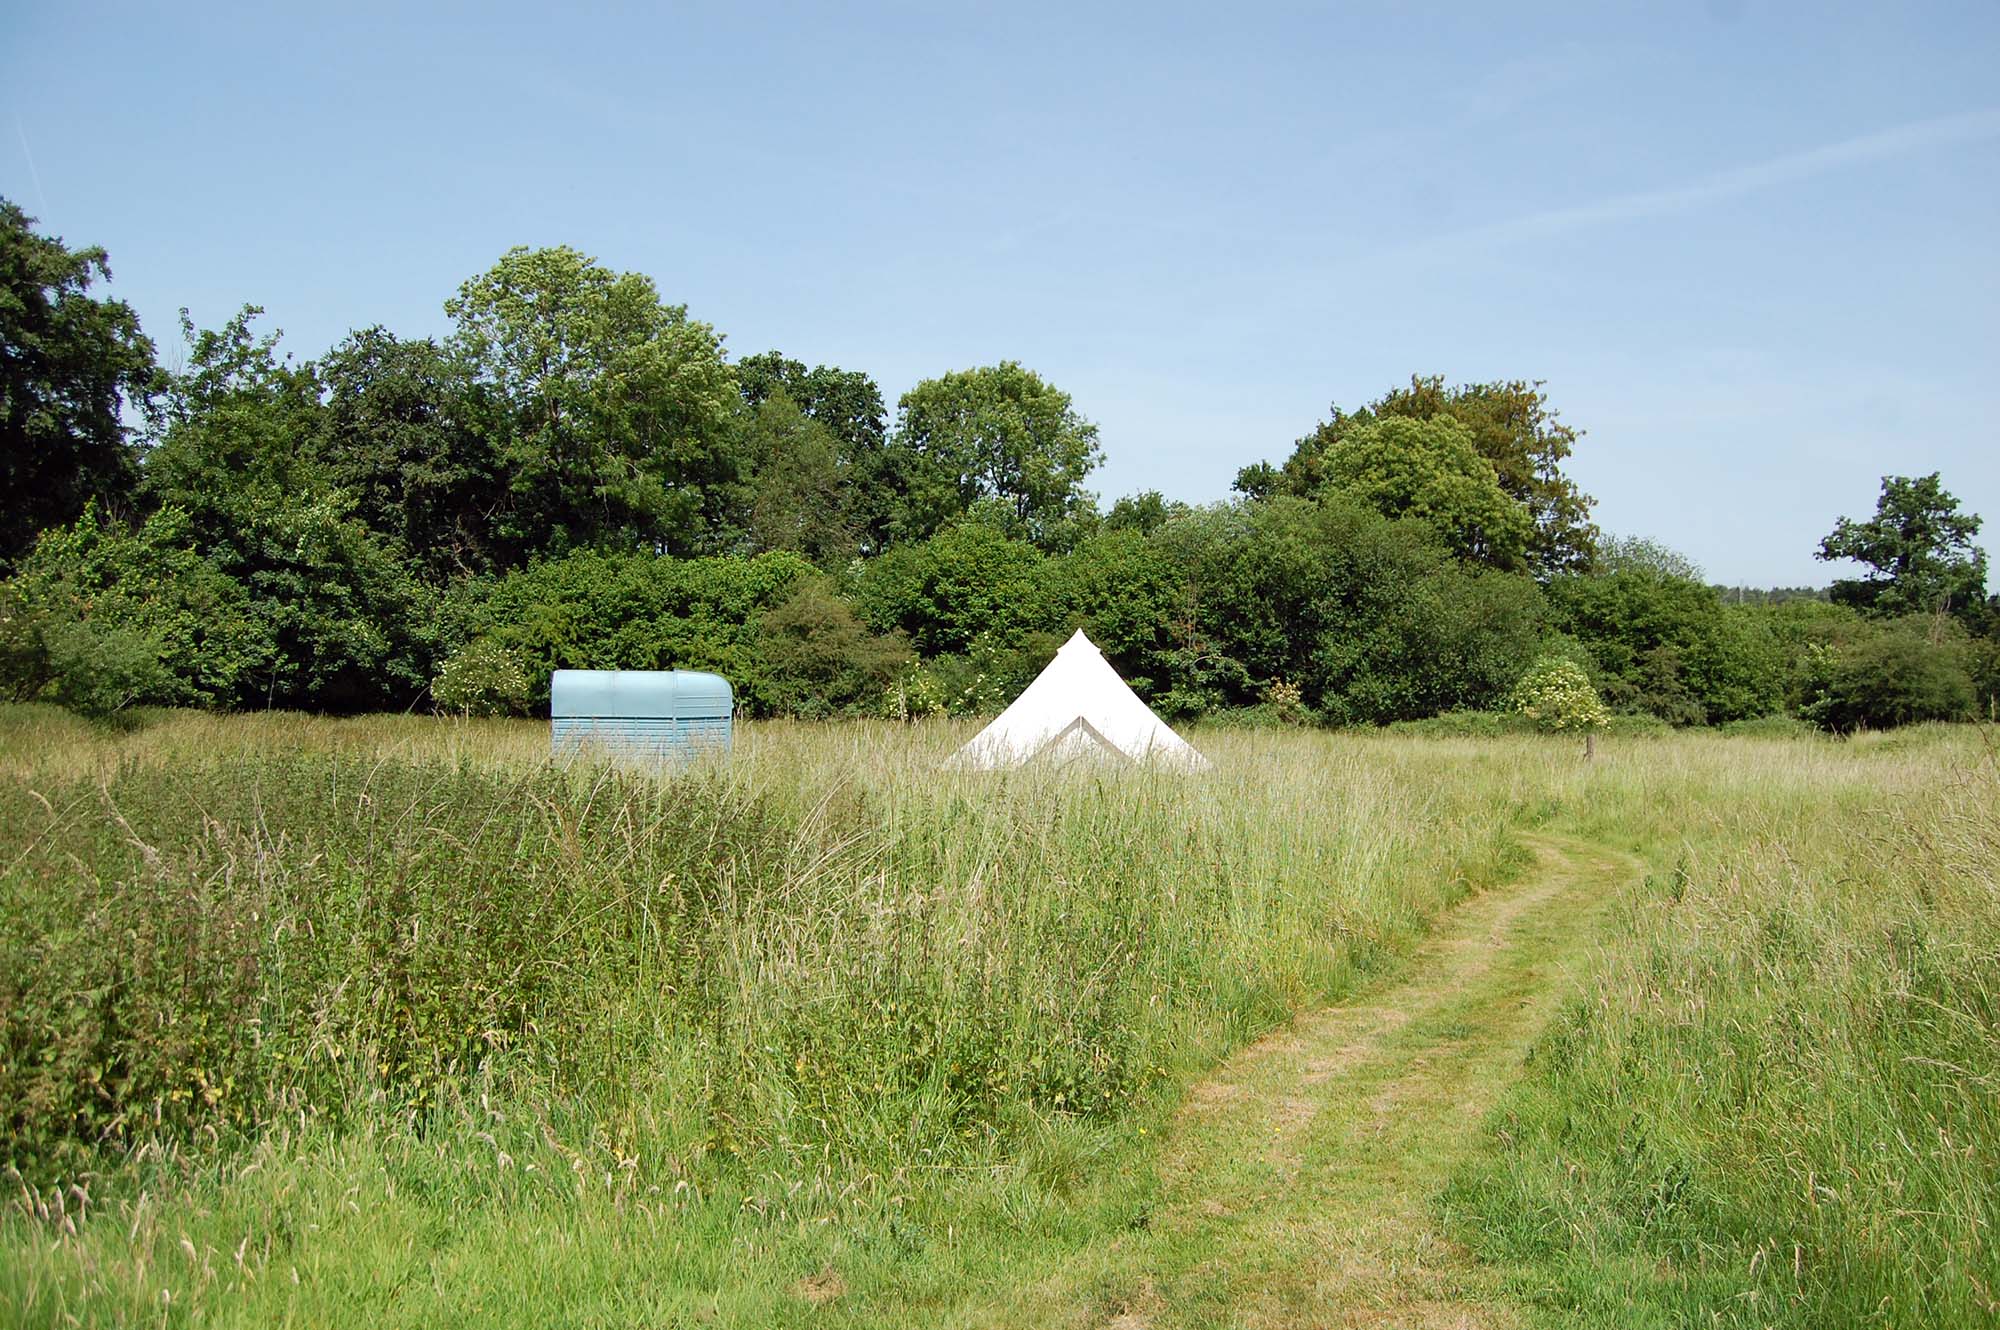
<point>1776,1100</point>
<point>297,1008</point>
<point>391,1020</point>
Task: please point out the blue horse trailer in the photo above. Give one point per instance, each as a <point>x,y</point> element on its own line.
<point>660,715</point>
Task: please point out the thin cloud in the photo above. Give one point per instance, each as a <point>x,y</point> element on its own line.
<point>1885,145</point>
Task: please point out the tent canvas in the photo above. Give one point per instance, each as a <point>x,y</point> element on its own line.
<point>1077,708</point>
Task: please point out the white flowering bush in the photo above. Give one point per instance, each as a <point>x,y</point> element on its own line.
<point>1557,696</point>
<point>483,678</point>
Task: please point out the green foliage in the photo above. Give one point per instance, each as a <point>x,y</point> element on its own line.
<point>1555,694</point>
<point>980,681</point>
<point>69,366</point>
<point>1637,554</point>
<point>596,611</point>
<point>1878,675</point>
<point>1666,645</point>
<point>1286,702</point>
<point>1125,590</point>
<point>1919,552</point>
<point>349,629</point>
<point>1511,426</point>
<point>1431,470</point>
<point>997,433</point>
<point>618,406</point>
<point>414,442</point>
<point>801,493</point>
<point>817,658</point>
<point>483,678</point>
<point>969,581</point>
<point>1144,512</point>
<point>326,532</point>
<point>99,615</point>
<point>1984,665</point>
<point>1368,616</point>
<point>92,666</point>
<point>228,435</point>
<point>916,693</point>
<point>847,405</point>
<point>338,619</point>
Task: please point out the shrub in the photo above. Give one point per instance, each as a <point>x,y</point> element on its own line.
<point>1666,644</point>
<point>819,659</point>
<point>1465,725</point>
<point>98,618</point>
<point>483,678</point>
<point>1881,675</point>
<point>916,692</point>
<point>1286,702</point>
<point>50,652</point>
<point>1556,695</point>
<point>966,583</point>
<point>594,611</point>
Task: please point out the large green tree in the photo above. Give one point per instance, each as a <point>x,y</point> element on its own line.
<point>1919,552</point>
<point>846,401</point>
<point>408,434</point>
<point>618,406</point>
<point>798,487</point>
<point>233,428</point>
<point>1000,436</point>
<point>70,364</point>
<point>1430,470</point>
<point>342,624</point>
<point>846,407</point>
<point>1512,427</point>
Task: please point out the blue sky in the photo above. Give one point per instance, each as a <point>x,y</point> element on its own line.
<point>1751,248</point>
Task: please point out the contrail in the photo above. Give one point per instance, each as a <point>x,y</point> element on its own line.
<point>1901,141</point>
<point>33,174</point>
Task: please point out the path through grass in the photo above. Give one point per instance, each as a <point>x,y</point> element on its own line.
<point>1297,1184</point>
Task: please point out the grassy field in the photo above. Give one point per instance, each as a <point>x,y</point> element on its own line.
<point>389,1021</point>
<point>1776,1101</point>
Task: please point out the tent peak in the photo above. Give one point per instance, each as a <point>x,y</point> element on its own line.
<point>1077,707</point>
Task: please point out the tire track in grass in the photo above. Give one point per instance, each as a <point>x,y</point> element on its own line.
<point>1296,1183</point>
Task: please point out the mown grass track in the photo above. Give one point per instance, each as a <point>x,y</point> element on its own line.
<point>1297,1183</point>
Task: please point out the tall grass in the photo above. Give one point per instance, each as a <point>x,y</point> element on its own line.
<point>1777,1100</point>
<point>314,997</point>
<point>393,1022</point>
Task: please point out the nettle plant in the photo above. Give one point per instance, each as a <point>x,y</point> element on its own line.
<point>1557,696</point>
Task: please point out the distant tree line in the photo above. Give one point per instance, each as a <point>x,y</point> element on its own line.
<point>578,475</point>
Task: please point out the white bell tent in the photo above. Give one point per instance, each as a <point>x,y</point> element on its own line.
<point>1078,707</point>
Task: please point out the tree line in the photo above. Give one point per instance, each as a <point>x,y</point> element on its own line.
<point>579,475</point>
